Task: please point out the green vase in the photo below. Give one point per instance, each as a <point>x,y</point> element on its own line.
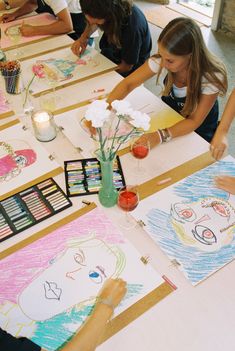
<point>107,194</point>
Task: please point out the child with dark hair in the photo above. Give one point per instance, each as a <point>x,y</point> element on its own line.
<point>126,38</point>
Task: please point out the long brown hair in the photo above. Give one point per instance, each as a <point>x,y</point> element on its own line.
<point>182,36</point>
<point>114,12</point>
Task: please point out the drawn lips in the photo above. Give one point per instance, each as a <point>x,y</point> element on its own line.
<point>52,292</point>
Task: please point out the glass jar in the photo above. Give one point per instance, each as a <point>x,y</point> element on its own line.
<point>44,125</point>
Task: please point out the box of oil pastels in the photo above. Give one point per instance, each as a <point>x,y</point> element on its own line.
<point>31,206</point>
<point>83,177</point>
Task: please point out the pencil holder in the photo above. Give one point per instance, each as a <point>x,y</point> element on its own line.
<point>12,82</point>
<point>11,73</point>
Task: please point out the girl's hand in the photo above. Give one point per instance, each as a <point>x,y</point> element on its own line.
<point>219,144</point>
<point>79,46</point>
<point>27,30</point>
<point>113,290</point>
<point>7,17</point>
<point>153,139</point>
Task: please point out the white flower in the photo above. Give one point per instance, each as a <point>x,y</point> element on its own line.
<point>140,120</point>
<point>97,117</point>
<point>97,113</point>
<point>122,107</point>
<point>123,123</point>
<point>99,104</point>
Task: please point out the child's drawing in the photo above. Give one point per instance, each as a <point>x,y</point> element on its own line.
<point>63,67</point>
<point>194,222</point>
<point>13,159</point>
<point>22,158</point>
<point>48,288</point>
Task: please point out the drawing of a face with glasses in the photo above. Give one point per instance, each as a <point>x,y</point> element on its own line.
<point>207,224</point>
<point>74,277</point>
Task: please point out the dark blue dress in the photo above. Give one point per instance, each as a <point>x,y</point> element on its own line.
<point>135,40</point>
<point>10,343</point>
<point>208,127</point>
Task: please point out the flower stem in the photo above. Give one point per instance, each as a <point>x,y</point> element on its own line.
<point>27,90</point>
<point>101,144</point>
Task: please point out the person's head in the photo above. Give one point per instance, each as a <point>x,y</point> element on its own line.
<point>182,49</point>
<point>109,15</point>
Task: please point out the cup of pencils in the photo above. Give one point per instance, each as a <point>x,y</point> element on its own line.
<point>11,73</point>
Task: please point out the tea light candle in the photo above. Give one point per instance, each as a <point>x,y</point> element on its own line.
<point>44,125</point>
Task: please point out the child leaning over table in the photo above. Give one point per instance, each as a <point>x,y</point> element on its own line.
<point>126,38</point>
<point>193,81</point>
<point>219,143</point>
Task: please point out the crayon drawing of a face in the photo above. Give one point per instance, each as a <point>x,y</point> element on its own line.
<point>74,277</point>
<point>207,224</point>
<point>12,161</point>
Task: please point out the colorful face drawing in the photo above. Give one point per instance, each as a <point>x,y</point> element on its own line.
<point>206,224</point>
<point>11,164</point>
<point>66,282</point>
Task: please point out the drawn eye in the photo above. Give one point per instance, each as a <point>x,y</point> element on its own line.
<point>204,235</point>
<point>220,208</point>
<point>183,212</point>
<point>102,270</point>
<point>79,258</point>
<point>21,160</point>
<point>95,277</point>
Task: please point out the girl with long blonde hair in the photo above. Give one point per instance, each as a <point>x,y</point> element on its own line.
<point>194,78</point>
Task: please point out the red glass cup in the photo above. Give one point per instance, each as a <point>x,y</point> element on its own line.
<point>128,199</point>
<point>140,149</point>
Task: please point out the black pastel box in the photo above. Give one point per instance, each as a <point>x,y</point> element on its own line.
<point>83,177</point>
<point>31,206</point>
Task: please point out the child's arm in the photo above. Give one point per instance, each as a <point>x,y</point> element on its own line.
<point>219,143</point>
<point>27,7</point>
<point>63,24</point>
<point>190,123</point>
<point>131,82</point>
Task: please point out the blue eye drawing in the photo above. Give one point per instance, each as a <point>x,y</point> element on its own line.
<point>95,277</point>
<point>204,235</point>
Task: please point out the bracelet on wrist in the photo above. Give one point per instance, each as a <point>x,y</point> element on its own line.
<point>108,302</point>
<point>160,135</point>
<point>165,135</point>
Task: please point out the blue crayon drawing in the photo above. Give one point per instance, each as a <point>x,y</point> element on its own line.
<point>196,227</point>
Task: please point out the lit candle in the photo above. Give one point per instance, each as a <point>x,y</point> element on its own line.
<point>44,125</point>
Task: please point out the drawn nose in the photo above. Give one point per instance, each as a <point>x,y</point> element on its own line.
<point>202,219</point>
<point>72,274</point>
